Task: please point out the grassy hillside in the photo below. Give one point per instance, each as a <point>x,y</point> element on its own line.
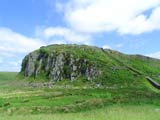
<point>122,90</point>
<point>75,102</point>
<point>118,69</point>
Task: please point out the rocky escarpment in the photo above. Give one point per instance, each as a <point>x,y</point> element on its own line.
<point>58,66</point>
<point>81,62</point>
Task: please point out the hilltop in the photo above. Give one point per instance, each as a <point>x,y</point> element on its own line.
<point>89,64</point>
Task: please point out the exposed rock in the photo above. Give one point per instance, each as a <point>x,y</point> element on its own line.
<point>58,66</point>
<point>29,64</point>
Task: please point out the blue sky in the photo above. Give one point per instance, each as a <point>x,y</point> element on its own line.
<point>129,26</point>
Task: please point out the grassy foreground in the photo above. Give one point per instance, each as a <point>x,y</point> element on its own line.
<point>117,112</point>
<point>72,102</point>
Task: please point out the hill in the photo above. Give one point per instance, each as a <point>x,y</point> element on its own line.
<point>83,81</point>
<point>103,67</point>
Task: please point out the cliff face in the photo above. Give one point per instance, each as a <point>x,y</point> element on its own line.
<point>57,66</point>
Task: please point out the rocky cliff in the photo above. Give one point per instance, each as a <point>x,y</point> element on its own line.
<point>56,65</point>
<point>81,62</point>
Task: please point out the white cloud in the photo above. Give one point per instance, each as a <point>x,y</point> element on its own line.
<point>65,35</point>
<point>106,47</point>
<point>14,47</point>
<point>15,63</point>
<point>141,23</point>
<point>6,54</point>
<point>123,16</point>
<point>154,55</point>
<point>16,43</point>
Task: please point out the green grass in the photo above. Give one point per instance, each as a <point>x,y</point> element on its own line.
<point>73,102</point>
<point>7,80</point>
<point>123,92</point>
<point>116,112</point>
<point>61,100</point>
<point>4,76</point>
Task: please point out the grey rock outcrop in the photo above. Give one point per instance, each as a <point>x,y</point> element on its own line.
<point>58,66</point>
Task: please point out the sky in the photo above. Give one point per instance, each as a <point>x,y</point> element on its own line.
<point>128,26</point>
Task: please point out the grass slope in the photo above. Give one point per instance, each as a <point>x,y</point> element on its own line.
<point>124,93</point>
<point>73,101</point>
<point>118,69</point>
